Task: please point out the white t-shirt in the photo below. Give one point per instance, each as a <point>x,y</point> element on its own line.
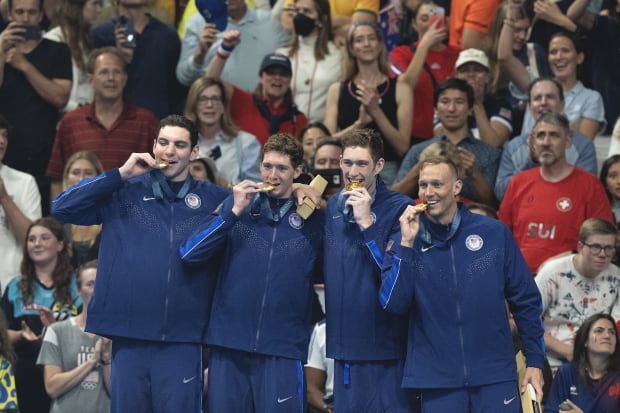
<point>317,357</point>
<point>22,188</point>
<point>569,298</point>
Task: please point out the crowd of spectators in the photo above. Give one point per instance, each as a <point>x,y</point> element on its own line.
<point>517,90</point>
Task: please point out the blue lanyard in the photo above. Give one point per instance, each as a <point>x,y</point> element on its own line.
<point>161,187</point>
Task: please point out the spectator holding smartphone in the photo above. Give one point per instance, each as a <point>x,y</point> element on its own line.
<point>152,48</point>
<point>35,82</point>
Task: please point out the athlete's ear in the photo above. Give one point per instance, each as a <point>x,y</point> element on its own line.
<point>458,185</point>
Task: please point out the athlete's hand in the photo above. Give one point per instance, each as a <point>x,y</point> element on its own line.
<point>302,191</point>
<point>136,165</point>
<point>360,201</point>
<point>534,376</point>
<point>409,226</point>
<point>243,193</point>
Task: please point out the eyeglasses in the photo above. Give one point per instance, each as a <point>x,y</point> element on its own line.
<point>202,100</point>
<point>610,250</point>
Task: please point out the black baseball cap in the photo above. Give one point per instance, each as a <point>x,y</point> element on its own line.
<point>276,59</point>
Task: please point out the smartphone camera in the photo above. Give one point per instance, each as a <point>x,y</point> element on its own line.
<point>126,22</point>
<point>31,32</point>
<point>437,14</point>
<point>332,176</point>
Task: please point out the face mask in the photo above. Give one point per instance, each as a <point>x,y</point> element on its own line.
<point>303,24</point>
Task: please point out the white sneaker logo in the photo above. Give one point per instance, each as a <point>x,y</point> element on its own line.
<point>186,380</point>
<point>424,249</point>
<point>146,198</point>
<point>284,399</point>
<point>509,401</point>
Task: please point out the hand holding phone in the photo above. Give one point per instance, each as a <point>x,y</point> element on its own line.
<point>126,22</point>
<point>30,32</point>
<point>437,14</point>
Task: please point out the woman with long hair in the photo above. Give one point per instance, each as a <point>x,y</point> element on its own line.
<point>235,152</point>
<point>590,383</point>
<point>75,19</point>
<point>583,107</point>
<point>83,240</point>
<point>369,98</point>
<point>76,364</point>
<point>45,292</point>
<point>315,60</point>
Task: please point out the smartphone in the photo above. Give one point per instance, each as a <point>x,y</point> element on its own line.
<point>215,153</point>
<point>332,176</point>
<point>126,22</point>
<point>564,406</point>
<point>437,14</point>
<point>31,32</point>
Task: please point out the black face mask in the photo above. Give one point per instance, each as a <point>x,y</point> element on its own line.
<point>303,24</point>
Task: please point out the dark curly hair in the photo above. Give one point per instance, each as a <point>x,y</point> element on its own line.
<point>62,273</point>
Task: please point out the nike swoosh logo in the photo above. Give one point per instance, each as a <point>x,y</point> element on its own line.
<point>509,401</point>
<point>424,249</point>
<point>146,198</point>
<point>186,380</point>
<point>284,399</point>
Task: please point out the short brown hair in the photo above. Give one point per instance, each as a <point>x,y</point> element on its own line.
<point>285,144</point>
<point>364,138</point>
<point>596,226</point>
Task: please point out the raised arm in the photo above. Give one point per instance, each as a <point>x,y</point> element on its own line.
<point>230,40</point>
<point>517,73</point>
<point>397,286</point>
<point>432,37</point>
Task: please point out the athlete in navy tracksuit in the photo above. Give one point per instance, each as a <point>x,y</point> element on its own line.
<point>367,343</point>
<point>155,310</point>
<point>452,273</point>
<point>260,323</point>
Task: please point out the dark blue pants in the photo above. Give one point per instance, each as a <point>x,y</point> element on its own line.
<point>254,383</point>
<point>153,377</point>
<point>370,386</point>
<point>496,398</point>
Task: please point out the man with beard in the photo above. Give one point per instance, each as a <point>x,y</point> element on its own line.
<point>545,95</point>
<point>545,206</point>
